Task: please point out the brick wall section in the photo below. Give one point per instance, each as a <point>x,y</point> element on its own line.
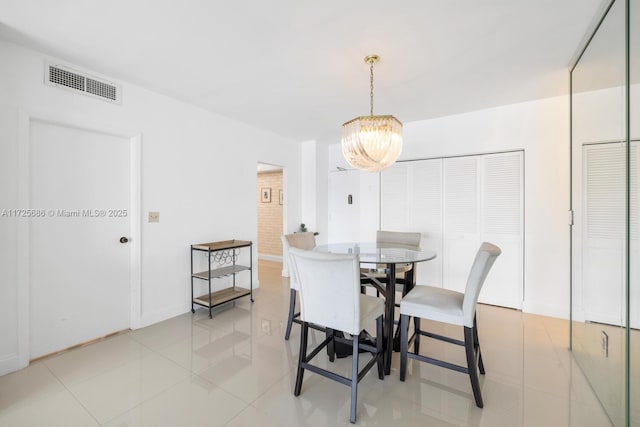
<point>270,214</point>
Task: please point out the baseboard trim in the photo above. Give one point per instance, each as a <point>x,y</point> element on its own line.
<point>267,257</point>
<point>154,317</point>
<point>82,344</point>
<point>561,312</point>
<point>9,363</point>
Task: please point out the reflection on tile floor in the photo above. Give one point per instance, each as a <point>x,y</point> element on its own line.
<point>237,370</point>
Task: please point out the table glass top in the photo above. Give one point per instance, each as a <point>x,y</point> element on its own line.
<point>379,253</point>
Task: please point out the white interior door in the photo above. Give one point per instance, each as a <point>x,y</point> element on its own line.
<point>461,219</point>
<point>411,200</point>
<point>457,203</point>
<point>502,224</point>
<point>604,233</point>
<point>79,270</point>
<point>395,198</point>
<point>426,195</point>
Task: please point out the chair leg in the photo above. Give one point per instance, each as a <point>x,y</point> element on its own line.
<point>476,345</point>
<point>396,334</point>
<point>354,379</point>
<point>404,338</point>
<point>416,340</point>
<point>331,347</point>
<point>379,339</point>
<point>302,357</point>
<point>292,307</point>
<point>471,364</point>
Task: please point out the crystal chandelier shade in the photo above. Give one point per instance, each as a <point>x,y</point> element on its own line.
<point>372,143</point>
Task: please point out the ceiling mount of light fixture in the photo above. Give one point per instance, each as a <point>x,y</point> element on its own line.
<point>372,143</point>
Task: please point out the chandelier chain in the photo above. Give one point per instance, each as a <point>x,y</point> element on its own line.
<point>371,85</point>
<point>372,143</point>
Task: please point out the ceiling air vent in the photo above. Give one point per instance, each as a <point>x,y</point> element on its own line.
<point>65,77</point>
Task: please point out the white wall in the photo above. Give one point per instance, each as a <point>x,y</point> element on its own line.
<point>541,128</point>
<point>309,181</point>
<point>313,160</point>
<point>192,162</point>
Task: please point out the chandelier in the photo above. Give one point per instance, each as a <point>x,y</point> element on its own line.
<point>371,143</point>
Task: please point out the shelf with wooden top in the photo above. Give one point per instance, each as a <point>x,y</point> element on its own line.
<point>225,254</point>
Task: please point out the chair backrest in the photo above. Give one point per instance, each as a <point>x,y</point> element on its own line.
<point>306,241</point>
<point>329,288</point>
<point>400,237</point>
<point>483,262</point>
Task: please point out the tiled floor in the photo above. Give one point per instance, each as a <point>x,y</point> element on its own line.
<point>237,370</point>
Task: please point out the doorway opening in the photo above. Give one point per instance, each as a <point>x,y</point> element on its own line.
<point>270,212</point>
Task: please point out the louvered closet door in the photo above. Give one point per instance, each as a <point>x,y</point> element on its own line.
<point>603,258</point>
<point>426,216</point>
<point>457,203</point>
<point>395,203</point>
<point>502,224</point>
<point>412,201</point>
<point>634,234</point>
<point>461,219</point>
<point>483,201</point>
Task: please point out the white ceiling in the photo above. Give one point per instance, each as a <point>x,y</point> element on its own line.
<point>296,67</point>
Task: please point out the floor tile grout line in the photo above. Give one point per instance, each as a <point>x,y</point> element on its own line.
<point>78,382</point>
<point>120,365</point>
<point>72,394</point>
<point>142,401</point>
<point>159,393</point>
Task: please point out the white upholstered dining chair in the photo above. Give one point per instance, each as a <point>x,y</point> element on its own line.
<point>329,288</point>
<point>447,306</point>
<point>378,272</point>
<point>306,241</point>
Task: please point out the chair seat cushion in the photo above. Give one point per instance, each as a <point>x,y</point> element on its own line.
<point>370,309</point>
<point>380,271</point>
<point>399,286</point>
<point>428,302</point>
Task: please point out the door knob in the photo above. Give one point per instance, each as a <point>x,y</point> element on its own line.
<point>123,239</point>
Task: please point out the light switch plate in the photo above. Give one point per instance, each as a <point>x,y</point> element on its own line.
<point>154,216</point>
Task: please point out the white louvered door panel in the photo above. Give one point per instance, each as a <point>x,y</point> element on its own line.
<point>426,216</point>
<point>634,199</point>
<point>369,219</point>
<point>394,198</point>
<point>461,220</point>
<point>502,224</point>
<point>412,201</point>
<point>603,232</point>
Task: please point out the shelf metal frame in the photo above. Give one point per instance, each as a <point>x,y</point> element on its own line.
<point>223,296</point>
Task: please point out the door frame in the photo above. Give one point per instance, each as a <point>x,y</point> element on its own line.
<point>86,123</point>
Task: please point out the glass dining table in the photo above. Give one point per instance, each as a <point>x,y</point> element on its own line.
<point>388,255</point>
